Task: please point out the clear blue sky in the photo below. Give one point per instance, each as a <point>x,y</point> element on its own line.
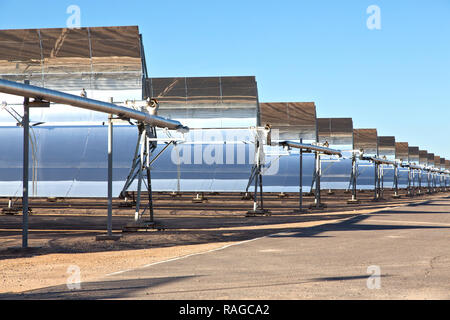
<point>395,79</point>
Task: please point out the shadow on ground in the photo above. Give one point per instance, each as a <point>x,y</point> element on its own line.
<point>78,232</point>
<point>94,290</point>
<point>121,289</point>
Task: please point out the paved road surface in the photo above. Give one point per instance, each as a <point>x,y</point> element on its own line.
<point>409,246</point>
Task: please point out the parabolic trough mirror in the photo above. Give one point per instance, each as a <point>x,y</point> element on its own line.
<point>68,145</point>
<point>386,150</point>
<point>402,157</point>
<point>414,159</point>
<point>337,133</point>
<point>289,121</point>
<point>365,140</point>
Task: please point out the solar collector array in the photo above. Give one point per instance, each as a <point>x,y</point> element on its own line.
<point>108,62</point>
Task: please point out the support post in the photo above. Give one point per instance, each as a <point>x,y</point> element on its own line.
<point>355,173</point>
<point>313,180</point>
<point>300,208</point>
<point>255,196</point>
<point>419,191</point>
<point>375,187</point>
<point>434,182</point>
<point>353,180</point>
<point>143,161</point>
<point>300,204</point>
<point>258,210</point>
<point>317,199</point>
<point>149,179</point>
<point>396,195</point>
<point>26,133</point>
<point>109,235</point>
<point>261,200</point>
<point>409,193</point>
<point>381,181</point>
<point>139,186</point>
<point>110,173</point>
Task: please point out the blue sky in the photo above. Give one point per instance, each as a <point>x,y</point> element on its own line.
<point>395,79</point>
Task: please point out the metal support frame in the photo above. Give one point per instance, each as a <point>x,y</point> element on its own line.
<point>313,180</point>
<point>434,182</point>
<point>317,171</point>
<point>27,104</point>
<point>199,198</point>
<point>408,188</point>
<point>376,196</point>
<point>428,182</point>
<point>411,183</point>
<point>436,179</point>
<point>26,133</point>
<point>381,182</point>
<point>300,191</point>
<point>132,174</point>
<point>317,165</point>
<point>109,235</point>
<point>110,174</point>
<point>317,174</point>
<point>256,177</point>
<point>419,190</point>
<point>430,177</point>
<point>353,180</point>
<point>177,193</point>
<point>141,162</point>
<point>396,195</point>
<point>378,175</point>
<point>43,97</point>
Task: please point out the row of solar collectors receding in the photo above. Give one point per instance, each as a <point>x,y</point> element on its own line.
<point>337,132</point>
<point>79,166</point>
<point>110,59</point>
<point>223,117</point>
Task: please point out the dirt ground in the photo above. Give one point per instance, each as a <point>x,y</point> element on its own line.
<point>62,233</point>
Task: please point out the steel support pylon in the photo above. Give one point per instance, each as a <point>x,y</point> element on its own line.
<point>256,177</point>
<point>141,170</point>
